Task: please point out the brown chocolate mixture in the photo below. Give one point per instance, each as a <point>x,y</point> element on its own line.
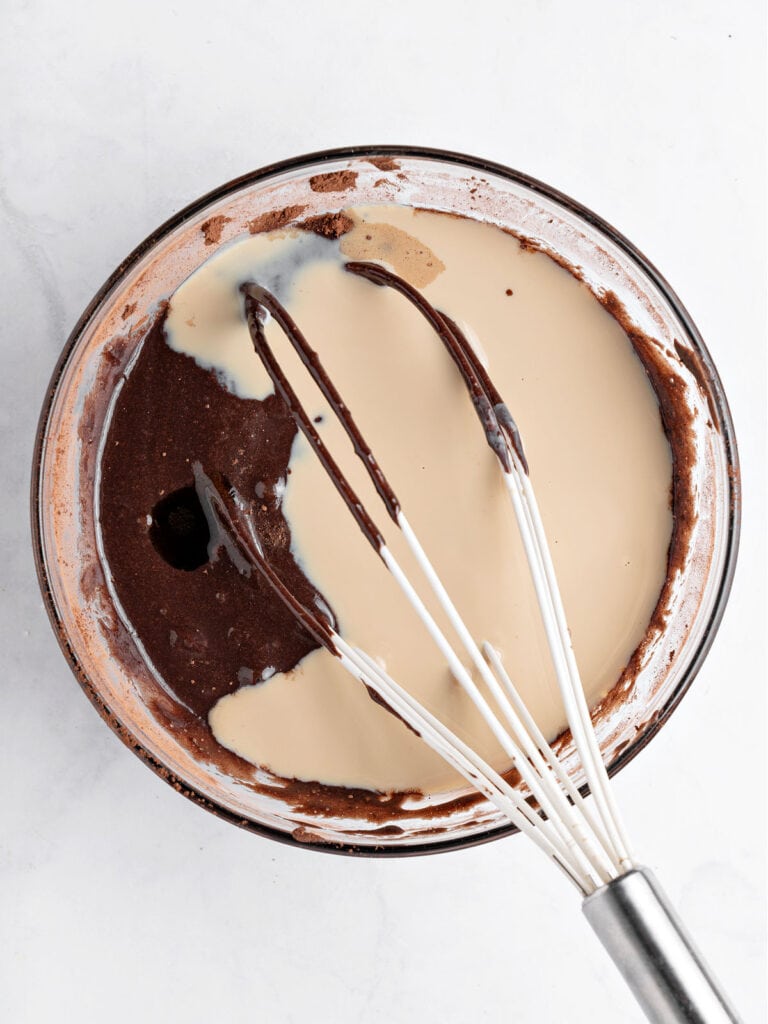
<point>207,627</point>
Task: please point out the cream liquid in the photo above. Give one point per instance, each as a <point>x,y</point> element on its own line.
<point>600,464</point>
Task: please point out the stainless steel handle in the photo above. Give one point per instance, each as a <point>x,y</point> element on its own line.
<point>646,940</point>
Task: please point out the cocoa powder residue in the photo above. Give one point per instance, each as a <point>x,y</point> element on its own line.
<point>213,227</point>
<point>333,181</point>
<point>692,361</point>
<point>384,163</point>
<point>329,225</point>
<point>677,420</point>
<point>274,219</point>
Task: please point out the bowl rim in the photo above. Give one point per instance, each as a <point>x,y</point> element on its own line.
<point>472,163</point>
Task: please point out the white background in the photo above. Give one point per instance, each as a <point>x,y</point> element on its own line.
<point>121,901</point>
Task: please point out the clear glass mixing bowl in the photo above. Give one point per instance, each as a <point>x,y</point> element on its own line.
<point>106,336</point>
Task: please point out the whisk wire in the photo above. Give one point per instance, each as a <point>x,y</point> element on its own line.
<point>543,746</point>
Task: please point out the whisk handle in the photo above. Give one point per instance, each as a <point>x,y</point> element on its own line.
<point>646,940</point>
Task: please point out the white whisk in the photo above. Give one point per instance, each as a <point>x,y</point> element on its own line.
<point>621,900</point>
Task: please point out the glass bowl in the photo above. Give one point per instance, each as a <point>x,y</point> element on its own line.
<point>107,335</point>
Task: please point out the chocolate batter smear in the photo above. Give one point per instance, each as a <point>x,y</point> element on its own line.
<point>201,618</point>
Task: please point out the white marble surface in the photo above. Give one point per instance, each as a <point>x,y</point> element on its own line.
<point>120,900</point>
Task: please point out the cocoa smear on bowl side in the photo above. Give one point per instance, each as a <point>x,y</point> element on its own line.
<point>212,229</point>
<point>329,225</point>
<point>333,181</point>
<point>384,163</point>
<point>274,219</point>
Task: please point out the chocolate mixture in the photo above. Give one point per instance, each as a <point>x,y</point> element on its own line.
<point>207,627</point>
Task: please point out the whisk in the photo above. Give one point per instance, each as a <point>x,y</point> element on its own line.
<point>585,839</point>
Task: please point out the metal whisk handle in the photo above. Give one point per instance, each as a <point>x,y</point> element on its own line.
<point>646,940</point>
